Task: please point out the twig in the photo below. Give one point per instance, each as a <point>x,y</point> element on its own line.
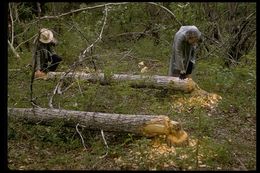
<point>59,88</point>
<point>25,30</point>
<point>127,54</point>
<point>12,33</point>
<point>54,92</point>
<point>250,15</point>
<point>14,69</point>
<point>103,137</point>
<point>67,88</point>
<point>82,140</point>
<point>15,5</point>
<point>25,41</point>
<point>13,49</point>
<point>241,163</point>
<point>81,9</point>
<point>79,87</point>
<point>82,55</point>
<point>166,9</point>
<point>77,29</point>
<point>64,14</point>
<point>198,142</point>
<point>34,104</point>
<point>101,32</point>
<point>131,33</point>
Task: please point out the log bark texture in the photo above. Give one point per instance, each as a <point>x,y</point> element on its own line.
<point>140,81</point>
<point>145,125</point>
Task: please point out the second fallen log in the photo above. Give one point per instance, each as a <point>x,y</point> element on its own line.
<point>141,81</point>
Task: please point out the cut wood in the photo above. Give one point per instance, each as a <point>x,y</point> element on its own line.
<point>140,81</point>
<point>145,125</point>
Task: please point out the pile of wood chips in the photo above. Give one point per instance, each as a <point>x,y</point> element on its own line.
<point>198,98</point>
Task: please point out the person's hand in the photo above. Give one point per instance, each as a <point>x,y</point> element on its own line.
<point>182,76</point>
<point>39,74</point>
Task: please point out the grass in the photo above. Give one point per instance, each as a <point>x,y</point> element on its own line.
<point>226,134</point>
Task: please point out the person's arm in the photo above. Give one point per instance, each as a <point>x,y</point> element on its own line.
<point>193,58</point>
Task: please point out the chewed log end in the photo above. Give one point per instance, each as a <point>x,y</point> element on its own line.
<point>178,139</point>
<point>175,135</point>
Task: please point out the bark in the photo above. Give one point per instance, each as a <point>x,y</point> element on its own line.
<point>146,125</point>
<point>139,81</point>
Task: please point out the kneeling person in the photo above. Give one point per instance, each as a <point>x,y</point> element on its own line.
<point>45,58</point>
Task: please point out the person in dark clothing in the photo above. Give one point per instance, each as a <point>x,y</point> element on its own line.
<point>45,58</point>
<point>183,56</point>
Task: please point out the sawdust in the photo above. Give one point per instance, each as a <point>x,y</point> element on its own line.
<point>198,98</point>
<point>161,148</point>
<point>156,151</point>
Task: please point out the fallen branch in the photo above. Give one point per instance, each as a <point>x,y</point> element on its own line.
<point>145,125</point>
<point>139,81</point>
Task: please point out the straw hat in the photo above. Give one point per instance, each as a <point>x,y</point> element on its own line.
<point>46,36</point>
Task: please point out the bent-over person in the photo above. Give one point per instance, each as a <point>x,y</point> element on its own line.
<point>183,57</point>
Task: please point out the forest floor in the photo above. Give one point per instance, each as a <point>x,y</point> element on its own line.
<point>222,135</point>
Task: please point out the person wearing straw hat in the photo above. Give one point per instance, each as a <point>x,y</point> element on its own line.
<point>183,57</point>
<point>45,58</point>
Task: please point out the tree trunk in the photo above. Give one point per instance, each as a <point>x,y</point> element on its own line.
<point>146,125</point>
<point>139,81</point>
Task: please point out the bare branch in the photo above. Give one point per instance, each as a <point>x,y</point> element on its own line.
<point>166,9</point>
<point>15,5</point>
<point>79,88</point>
<point>77,29</point>
<point>250,15</point>
<point>101,32</point>
<point>55,91</point>
<point>13,49</point>
<point>103,137</point>
<point>12,27</point>
<point>82,140</point>
<point>35,105</point>
<point>81,9</point>
<point>25,41</point>
<point>64,90</point>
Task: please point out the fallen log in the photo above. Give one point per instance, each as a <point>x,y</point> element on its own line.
<point>145,125</point>
<point>140,81</point>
